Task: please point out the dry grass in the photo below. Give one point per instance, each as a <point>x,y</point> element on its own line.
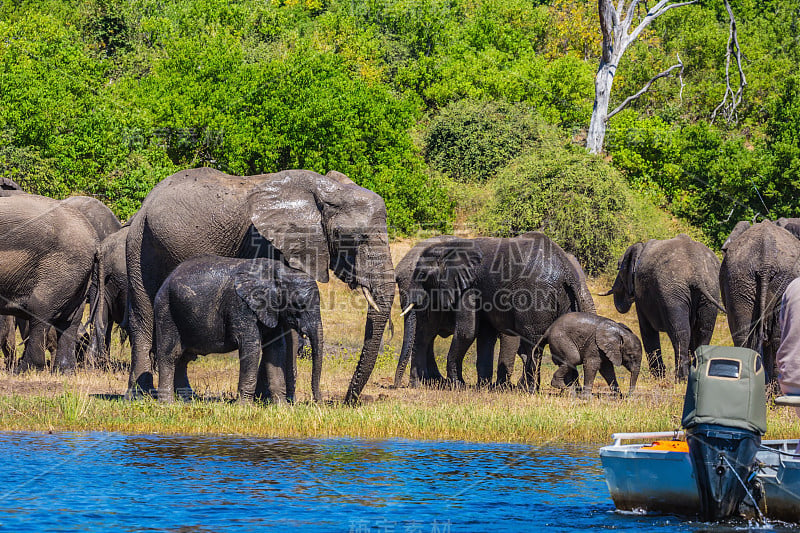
<point>91,400</point>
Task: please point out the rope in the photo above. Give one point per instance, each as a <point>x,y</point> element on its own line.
<point>752,499</point>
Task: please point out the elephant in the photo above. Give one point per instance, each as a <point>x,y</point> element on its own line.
<point>759,264</point>
<point>512,286</point>
<point>597,343</point>
<point>436,322</point>
<point>792,225</point>
<point>7,184</point>
<point>674,284</point>
<point>8,340</point>
<point>310,221</point>
<point>111,266</point>
<point>212,304</point>
<point>46,254</point>
<point>104,223</point>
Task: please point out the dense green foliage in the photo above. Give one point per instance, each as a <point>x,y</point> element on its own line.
<point>575,198</point>
<point>107,97</point>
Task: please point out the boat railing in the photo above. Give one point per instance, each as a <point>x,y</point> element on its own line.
<point>648,435</point>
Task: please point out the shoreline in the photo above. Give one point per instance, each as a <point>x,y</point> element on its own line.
<point>92,401</point>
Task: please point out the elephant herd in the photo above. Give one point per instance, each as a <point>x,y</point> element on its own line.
<point>213,263</point>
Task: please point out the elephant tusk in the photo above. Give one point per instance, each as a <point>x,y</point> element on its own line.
<point>370,300</point>
<point>609,292</point>
<point>407,309</point>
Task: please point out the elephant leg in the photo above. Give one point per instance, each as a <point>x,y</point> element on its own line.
<point>33,356</point>
<point>455,358</point>
<point>432,371</point>
<point>180,379</point>
<point>271,384</point>
<point>509,346</point>
<point>590,368</point>
<point>169,354</point>
<point>652,347</point>
<point>141,337</point>
<point>64,358</point>
<point>418,372</point>
<point>563,377</point>
<point>487,338</point>
<point>8,338</point>
<point>680,335</point>
<point>250,353</point>
<point>608,373</point>
<point>290,363</point>
<point>531,376</point>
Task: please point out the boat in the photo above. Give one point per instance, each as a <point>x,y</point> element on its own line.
<point>718,467</point>
<point>653,472</point>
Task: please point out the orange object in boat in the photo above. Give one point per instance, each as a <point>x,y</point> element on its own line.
<point>668,446</point>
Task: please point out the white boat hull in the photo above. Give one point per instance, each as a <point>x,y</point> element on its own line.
<point>663,481</point>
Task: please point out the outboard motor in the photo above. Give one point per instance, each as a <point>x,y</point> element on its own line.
<point>724,415</point>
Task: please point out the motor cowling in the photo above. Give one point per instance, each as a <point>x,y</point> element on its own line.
<point>724,415</point>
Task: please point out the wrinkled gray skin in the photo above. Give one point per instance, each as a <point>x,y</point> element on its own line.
<point>7,184</point>
<point>8,340</point>
<point>311,222</point>
<point>110,265</point>
<point>54,246</point>
<point>101,219</point>
<point>419,340</point>
<point>675,286</point>
<point>214,304</point>
<point>491,275</point>
<point>759,264</point>
<point>598,343</point>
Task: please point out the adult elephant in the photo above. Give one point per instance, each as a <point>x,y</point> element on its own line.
<point>46,254</point>
<point>674,284</point>
<point>759,264</point>
<point>512,286</point>
<point>423,326</point>
<point>310,221</point>
<point>104,223</point>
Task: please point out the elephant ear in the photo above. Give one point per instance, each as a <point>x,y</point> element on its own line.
<point>609,340</point>
<point>8,184</point>
<point>627,267</point>
<point>259,293</point>
<point>341,178</point>
<point>738,229</point>
<point>285,211</point>
<point>449,268</point>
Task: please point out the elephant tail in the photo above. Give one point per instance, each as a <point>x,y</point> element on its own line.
<point>707,295</point>
<point>97,311</point>
<point>761,313</point>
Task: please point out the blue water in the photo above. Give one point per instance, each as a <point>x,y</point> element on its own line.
<point>107,481</point>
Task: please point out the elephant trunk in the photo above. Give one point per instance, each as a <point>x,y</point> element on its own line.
<point>315,337</point>
<point>622,301</point>
<point>409,332</point>
<point>634,377</point>
<point>377,318</point>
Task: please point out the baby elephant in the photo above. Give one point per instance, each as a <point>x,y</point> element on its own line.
<point>214,304</point>
<point>596,342</point>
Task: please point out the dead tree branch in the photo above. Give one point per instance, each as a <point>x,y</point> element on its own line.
<point>731,99</point>
<point>665,74</point>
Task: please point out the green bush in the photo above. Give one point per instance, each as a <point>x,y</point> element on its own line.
<point>469,141</point>
<point>577,199</point>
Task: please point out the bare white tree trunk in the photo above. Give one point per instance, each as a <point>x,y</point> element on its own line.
<point>602,96</point>
<point>615,24</point>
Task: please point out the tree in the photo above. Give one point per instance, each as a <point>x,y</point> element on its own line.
<point>618,36</point>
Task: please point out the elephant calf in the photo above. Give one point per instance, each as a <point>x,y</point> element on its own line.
<point>213,304</point>
<point>597,343</point>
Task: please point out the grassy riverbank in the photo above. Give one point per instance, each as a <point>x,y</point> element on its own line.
<point>91,400</point>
